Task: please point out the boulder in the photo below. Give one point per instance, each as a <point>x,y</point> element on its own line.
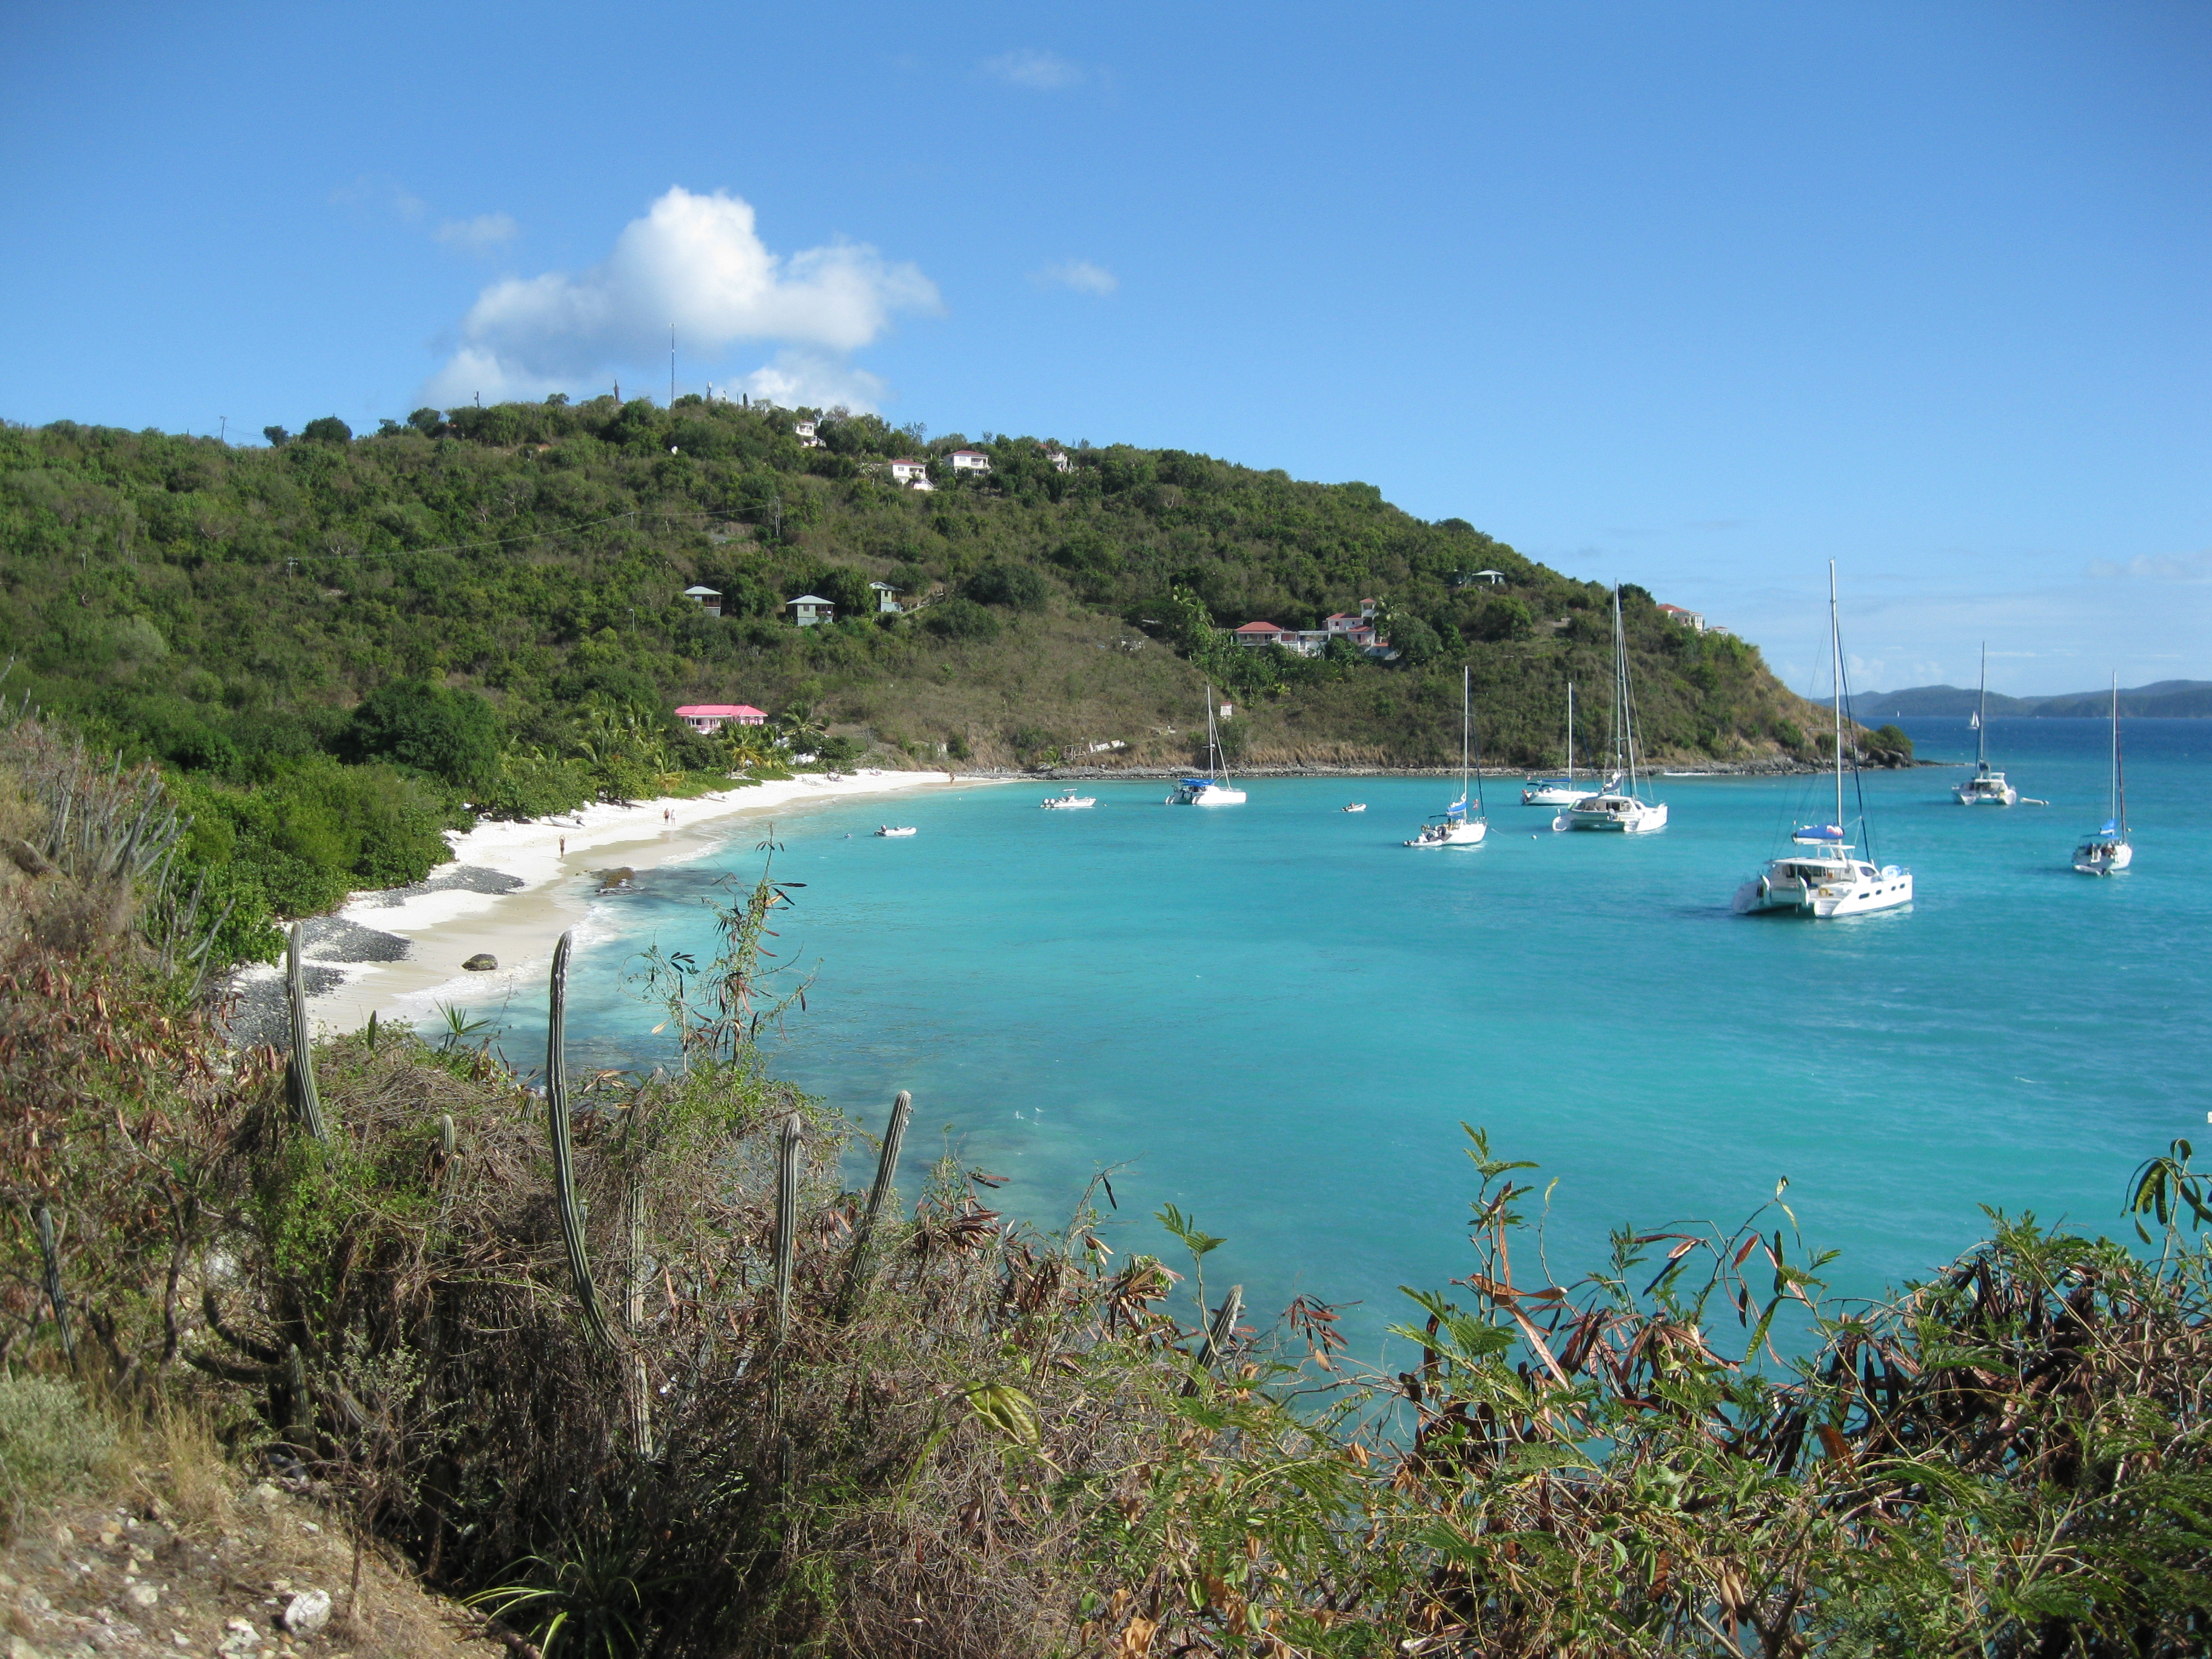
<point>482,963</point>
<point>307,1612</point>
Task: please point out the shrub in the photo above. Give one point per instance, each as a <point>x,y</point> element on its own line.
<point>960,619</point>
<point>451,734</point>
<point>1015,586</point>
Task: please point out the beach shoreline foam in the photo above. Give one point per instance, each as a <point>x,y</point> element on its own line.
<point>511,890</point>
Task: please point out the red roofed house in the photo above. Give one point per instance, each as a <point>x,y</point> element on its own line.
<point>911,475</point>
<point>1687,618</point>
<point>712,716</point>
<point>971,460</point>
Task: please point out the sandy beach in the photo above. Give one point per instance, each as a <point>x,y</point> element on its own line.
<point>511,890</point>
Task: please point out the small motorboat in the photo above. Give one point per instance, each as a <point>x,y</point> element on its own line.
<point>1357,806</point>
<point>888,829</point>
<point>1069,802</point>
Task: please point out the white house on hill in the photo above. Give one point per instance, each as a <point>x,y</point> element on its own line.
<point>804,431</point>
<point>887,603</point>
<point>1690,619</point>
<point>705,599</point>
<point>911,475</point>
<point>809,608</point>
<point>1059,460</point>
<point>971,460</point>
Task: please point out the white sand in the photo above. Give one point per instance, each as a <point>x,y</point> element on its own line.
<point>555,860</point>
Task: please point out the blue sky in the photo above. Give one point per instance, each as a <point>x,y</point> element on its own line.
<point>1699,297</point>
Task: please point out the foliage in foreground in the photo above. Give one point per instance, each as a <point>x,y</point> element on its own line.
<point>946,1435</point>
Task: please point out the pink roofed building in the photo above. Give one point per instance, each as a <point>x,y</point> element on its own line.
<point>713,716</point>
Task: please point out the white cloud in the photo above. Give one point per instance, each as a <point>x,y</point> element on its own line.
<point>377,192</point>
<point>2156,568</point>
<point>806,379</point>
<point>480,234</point>
<point>1080,275</point>
<point>1035,69</point>
<point>695,261</point>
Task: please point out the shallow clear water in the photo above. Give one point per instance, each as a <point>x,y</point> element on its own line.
<point>1277,1017</point>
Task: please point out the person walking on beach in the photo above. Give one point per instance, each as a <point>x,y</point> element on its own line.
<point>564,847</point>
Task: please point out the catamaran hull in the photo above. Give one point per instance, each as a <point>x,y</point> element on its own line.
<point>1639,822</point>
<point>1968,796</point>
<point>2115,860</point>
<point>1211,795</point>
<point>1827,902</point>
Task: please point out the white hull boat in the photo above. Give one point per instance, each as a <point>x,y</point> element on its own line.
<point>1213,789</point>
<point>1985,788</point>
<point>1614,808</point>
<point>1070,802</point>
<point>1454,827</point>
<point>1622,814</point>
<point>2108,852</point>
<point>1825,879</point>
<point>892,831</point>
<point>1559,791</point>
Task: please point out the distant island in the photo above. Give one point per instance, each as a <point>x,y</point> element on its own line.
<point>2160,699</point>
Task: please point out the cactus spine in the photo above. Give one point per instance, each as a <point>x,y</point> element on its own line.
<point>564,1171</point>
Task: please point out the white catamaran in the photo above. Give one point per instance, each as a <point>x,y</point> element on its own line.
<point>1985,788</point>
<point>1826,879</point>
<point>1558,792</point>
<point>1453,827</point>
<point>1613,807</point>
<point>2107,852</point>
<point>1213,789</point>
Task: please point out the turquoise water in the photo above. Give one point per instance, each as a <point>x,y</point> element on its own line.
<point>1277,1018</point>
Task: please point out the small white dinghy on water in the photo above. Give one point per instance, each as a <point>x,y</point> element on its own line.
<point>2108,852</point>
<point>1826,879</point>
<point>1453,827</point>
<point>1069,802</point>
<point>893,830</point>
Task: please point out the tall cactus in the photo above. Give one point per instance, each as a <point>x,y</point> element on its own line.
<point>50,1257</point>
<point>786,1221</point>
<point>640,1383</point>
<point>300,1070</point>
<point>857,1265</point>
<point>564,1171</point>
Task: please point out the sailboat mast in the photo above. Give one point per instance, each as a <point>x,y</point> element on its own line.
<point>1836,657</point>
<point>1570,734</point>
<point>2119,814</point>
<point>1624,732</point>
<point>1982,716</point>
<point>1466,719</point>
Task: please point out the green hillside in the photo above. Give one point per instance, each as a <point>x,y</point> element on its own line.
<point>223,610</point>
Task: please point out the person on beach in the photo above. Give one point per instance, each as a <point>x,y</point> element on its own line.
<point>564,847</point>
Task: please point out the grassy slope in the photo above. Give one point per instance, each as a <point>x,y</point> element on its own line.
<point>188,600</point>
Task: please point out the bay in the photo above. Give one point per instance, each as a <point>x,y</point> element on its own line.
<point>1277,1018</point>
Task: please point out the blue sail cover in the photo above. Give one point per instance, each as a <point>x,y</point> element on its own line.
<point>1819,832</point>
<point>1456,810</point>
<point>1196,783</point>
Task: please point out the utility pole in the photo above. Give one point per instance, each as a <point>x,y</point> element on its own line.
<point>672,365</point>
<point>225,436</point>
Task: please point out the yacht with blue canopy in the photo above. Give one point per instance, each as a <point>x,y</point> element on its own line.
<point>1214,789</point>
<point>2108,852</point>
<point>1826,879</point>
<point>1453,827</point>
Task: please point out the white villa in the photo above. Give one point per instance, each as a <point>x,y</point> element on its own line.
<point>1690,619</point>
<point>887,603</point>
<point>1059,460</point>
<point>808,609</point>
<point>1312,641</point>
<point>911,475</point>
<point>971,460</point>
<point>804,431</point>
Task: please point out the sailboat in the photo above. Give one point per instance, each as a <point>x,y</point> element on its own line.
<point>2107,852</point>
<point>1613,807</point>
<point>1826,879</point>
<point>1453,827</point>
<point>1558,792</point>
<point>1985,788</point>
<point>1213,789</point>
